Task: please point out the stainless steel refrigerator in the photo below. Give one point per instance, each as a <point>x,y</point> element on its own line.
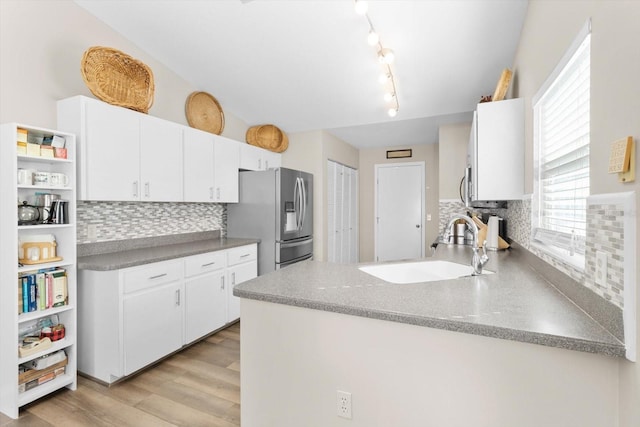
<point>275,206</point>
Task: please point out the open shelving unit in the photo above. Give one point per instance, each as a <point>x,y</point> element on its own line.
<point>11,320</point>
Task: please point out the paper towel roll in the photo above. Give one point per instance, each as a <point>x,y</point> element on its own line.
<point>492,233</point>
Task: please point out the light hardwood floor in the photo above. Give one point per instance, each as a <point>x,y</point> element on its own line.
<point>200,386</point>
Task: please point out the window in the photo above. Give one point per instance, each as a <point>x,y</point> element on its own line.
<point>561,111</point>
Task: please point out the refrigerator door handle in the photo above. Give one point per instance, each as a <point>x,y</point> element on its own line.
<point>303,203</point>
<point>296,202</point>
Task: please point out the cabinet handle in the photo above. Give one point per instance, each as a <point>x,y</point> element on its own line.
<point>210,193</point>
<point>259,163</point>
<point>177,297</point>
<point>222,283</point>
<point>245,255</point>
<point>135,188</point>
<point>233,278</point>
<point>208,264</point>
<point>146,189</point>
<point>218,193</point>
<point>157,276</point>
<point>266,164</point>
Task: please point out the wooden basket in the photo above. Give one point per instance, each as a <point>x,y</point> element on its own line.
<point>268,137</point>
<point>117,78</point>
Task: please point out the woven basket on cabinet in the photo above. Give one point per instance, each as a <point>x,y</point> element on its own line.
<point>117,78</point>
<point>268,137</point>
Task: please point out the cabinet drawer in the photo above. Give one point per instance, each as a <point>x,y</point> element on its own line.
<point>151,275</point>
<point>203,263</point>
<point>242,254</point>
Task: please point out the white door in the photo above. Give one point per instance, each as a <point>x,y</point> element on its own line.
<point>399,208</point>
<point>226,163</point>
<point>238,274</point>
<point>342,213</point>
<point>205,305</point>
<point>113,153</point>
<point>160,160</point>
<point>197,166</point>
<point>152,321</point>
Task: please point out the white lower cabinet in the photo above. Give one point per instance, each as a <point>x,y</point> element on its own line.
<point>205,294</point>
<point>153,325</point>
<point>243,265</point>
<point>132,317</point>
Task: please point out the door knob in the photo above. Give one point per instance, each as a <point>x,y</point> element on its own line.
<point>417,225</point>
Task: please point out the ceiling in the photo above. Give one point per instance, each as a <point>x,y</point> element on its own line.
<point>305,65</point>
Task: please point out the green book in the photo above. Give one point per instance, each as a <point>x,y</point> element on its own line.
<point>42,291</point>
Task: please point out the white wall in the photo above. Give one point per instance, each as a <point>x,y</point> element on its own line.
<point>295,359</point>
<point>549,29</point>
<point>427,153</point>
<point>453,141</point>
<point>41,45</point>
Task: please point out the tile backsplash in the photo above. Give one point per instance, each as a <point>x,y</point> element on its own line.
<point>605,232</point>
<point>605,225</point>
<point>448,207</point>
<point>126,220</point>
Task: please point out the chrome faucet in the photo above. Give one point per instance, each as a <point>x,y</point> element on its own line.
<point>477,261</point>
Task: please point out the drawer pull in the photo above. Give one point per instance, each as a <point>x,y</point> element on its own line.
<point>157,276</point>
<point>177,297</point>
<point>222,283</point>
<point>245,255</point>
<point>233,278</point>
<point>208,264</point>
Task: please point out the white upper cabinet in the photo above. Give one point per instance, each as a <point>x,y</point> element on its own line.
<point>257,159</point>
<point>210,167</point>
<point>198,166</point>
<point>160,160</point>
<point>107,148</point>
<point>496,151</point>
<point>226,159</point>
<point>129,156</point>
<point>123,154</point>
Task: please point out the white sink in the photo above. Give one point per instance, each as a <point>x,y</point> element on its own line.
<point>423,271</point>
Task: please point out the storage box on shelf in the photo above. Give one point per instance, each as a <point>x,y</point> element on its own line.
<point>46,245</point>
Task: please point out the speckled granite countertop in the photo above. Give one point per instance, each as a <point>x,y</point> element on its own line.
<point>130,253</point>
<point>516,303</point>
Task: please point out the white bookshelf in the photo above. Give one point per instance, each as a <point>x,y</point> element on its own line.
<point>65,234</point>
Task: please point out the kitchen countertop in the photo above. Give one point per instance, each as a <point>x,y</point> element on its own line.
<point>516,303</point>
<point>134,252</point>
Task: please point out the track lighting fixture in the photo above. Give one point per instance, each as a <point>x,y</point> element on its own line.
<point>361,7</point>
<point>386,57</point>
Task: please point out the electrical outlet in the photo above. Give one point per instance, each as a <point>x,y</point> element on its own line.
<point>601,268</point>
<point>344,404</point>
<point>92,232</point>
<point>428,217</point>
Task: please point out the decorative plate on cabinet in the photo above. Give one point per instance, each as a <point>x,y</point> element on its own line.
<point>204,112</point>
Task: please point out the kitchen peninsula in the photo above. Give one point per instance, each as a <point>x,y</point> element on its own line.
<point>480,350</point>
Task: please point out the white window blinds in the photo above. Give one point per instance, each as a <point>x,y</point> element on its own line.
<point>561,134</point>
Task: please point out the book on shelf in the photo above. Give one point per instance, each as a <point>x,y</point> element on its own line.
<point>42,289</point>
